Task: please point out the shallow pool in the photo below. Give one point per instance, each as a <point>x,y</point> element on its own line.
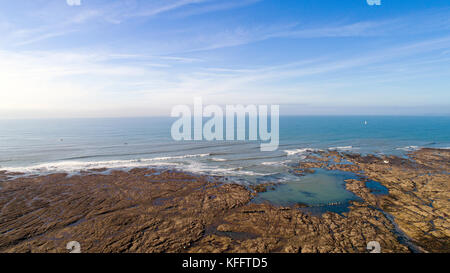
<point>324,188</point>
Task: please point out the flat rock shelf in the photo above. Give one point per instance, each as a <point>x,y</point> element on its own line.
<point>147,210</point>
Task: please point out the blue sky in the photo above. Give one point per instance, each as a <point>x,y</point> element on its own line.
<point>107,58</point>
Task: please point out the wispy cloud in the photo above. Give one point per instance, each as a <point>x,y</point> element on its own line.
<point>166,7</point>
<point>216,6</point>
<point>41,37</point>
<point>391,27</point>
<point>148,55</point>
<point>363,28</point>
<point>80,81</point>
<point>113,12</point>
<point>120,12</point>
<point>248,35</point>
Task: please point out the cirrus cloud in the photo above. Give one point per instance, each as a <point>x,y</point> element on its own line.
<point>73,2</point>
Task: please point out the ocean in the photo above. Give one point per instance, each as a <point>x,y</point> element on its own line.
<point>70,145</point>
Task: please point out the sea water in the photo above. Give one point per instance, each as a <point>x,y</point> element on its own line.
<point>70,145</point>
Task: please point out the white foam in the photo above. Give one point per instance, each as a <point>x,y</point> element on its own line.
<point>300,151</point>
<point>409,148</point>
<point>74,166</point>
<point>341,148</point>
<point>218,159</point>
<point>198,167</point>
<point>271,163</point>
<point>178,157</point>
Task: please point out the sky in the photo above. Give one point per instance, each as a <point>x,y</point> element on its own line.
<point>106,58</point>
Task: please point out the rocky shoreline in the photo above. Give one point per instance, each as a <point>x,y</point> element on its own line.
<point>145,210</point>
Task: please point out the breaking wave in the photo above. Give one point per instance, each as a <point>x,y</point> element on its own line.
<point>342,148</point>
<point>74,166</point>
<point>409,148</point>
<point>300,151</point>
<point>215,159</point>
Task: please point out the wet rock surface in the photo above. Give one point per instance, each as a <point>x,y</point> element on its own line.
<point>145,210</point>
<point>263,187</point>
<point>136,211</point>
<point>419,191</point>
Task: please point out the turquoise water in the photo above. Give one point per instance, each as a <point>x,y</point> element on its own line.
<point>70,145</point>
<point>321,187</point>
